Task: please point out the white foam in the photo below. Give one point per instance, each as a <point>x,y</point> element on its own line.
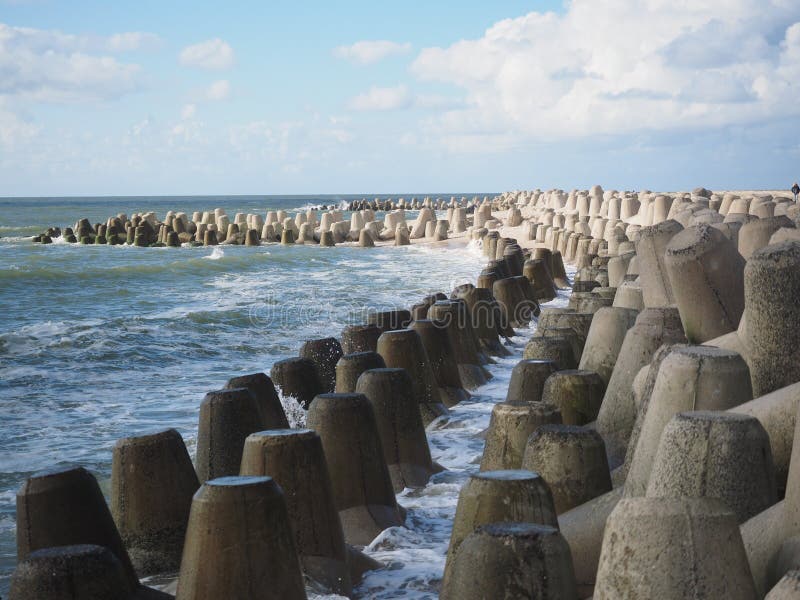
<point>216,254</point>
<point>415,555</point>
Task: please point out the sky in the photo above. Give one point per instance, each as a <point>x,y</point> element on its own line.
<point>124,98</point>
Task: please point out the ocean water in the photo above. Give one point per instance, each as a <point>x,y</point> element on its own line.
<point>102,342</point>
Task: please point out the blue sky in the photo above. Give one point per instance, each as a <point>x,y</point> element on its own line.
<point>376,97</point>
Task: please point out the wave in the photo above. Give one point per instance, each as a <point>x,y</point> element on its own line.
<point>216,254</point>
<point>343,205</point>
<point>32,228</point>
<point>186,262</point>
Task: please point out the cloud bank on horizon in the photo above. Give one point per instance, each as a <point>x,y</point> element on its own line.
<point>623,92</point>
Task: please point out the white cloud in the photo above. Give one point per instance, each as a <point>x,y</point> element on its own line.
<point>188,112</point>
<point>436,101</point>
<point>214,55</point>
<point>619,67</point>
<point>370,52</point>
<point>14,129</point>
<point>219,90</point>
<point>132,40</point>
<point>57,67</point>
<point>399,97</point>
<point>382,98</point>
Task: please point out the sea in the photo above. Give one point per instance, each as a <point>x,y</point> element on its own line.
<point>103,342</point>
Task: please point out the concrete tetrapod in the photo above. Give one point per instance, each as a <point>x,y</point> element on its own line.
<point>514,258</point>
<point>227,417</point>
<point>642,388</point>
<point>511,560</point>
<point>776,412</point>
<point>390,320</point>
<point>403,349</point>
<point>577,394</point>
<point>324,353</point>
<point>546,255</point>
<point>788,588</point>
<point>82,572</point>
<point>629,295</point>
<point>579,323</point>
<point>690,378</point>
<point>583,528</point>
<point>360,338</point>
<point>499,496</point>
<point>419,311</point>
<point>756,234</point>
<point>65,508</point>
<point>365,239</point>
<point>575,343</point>
<point>297,377</point>
<point>362,486</point>
<point>653,327</point>
<point>517,300</point>
<point>152,484</point>
<point>350,367</point>
<point>585,286</point>
<point>559,272</point>
<point>442,358</point>
<point>604,340</point>
<point>527,380</point>
<point>771,287</point>
<point>266,396</point>
<point>239,544</point>
<point>706,273</point>
<point>294,459</point>
<point>552,348</point>
<point>486,318</point>
<point>588,302</point>
<point>446,314</point>
<point>572,460</point>
<point>510,426</point>
<point>537,273</point>
<point>326,239</point>
<point>650,248</point>
<point>766,535</point>
<point>618,268</point>
<point>709,454</point>
<point>455,311</point>
<point>673,548</point>
<point>402,433</point>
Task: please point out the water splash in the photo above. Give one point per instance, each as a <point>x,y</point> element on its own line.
<point>216,254</point>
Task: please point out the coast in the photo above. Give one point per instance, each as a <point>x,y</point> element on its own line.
<point>654,403</point>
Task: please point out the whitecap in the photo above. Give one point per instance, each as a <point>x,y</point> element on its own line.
<point>216,254</point>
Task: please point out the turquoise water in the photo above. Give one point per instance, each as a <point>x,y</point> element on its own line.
<point>102,342</point>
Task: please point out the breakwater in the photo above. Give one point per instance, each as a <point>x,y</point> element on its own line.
<point>649,418</point>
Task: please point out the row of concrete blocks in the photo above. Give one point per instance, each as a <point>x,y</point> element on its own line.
<point>741,458</point>
<point>684,488</point>
<point>212,228</point>
<point>413,204</point>
<point>644,208</point>
<point>269,494</point>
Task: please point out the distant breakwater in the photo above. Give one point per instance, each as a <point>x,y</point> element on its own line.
<point>324,225</point>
